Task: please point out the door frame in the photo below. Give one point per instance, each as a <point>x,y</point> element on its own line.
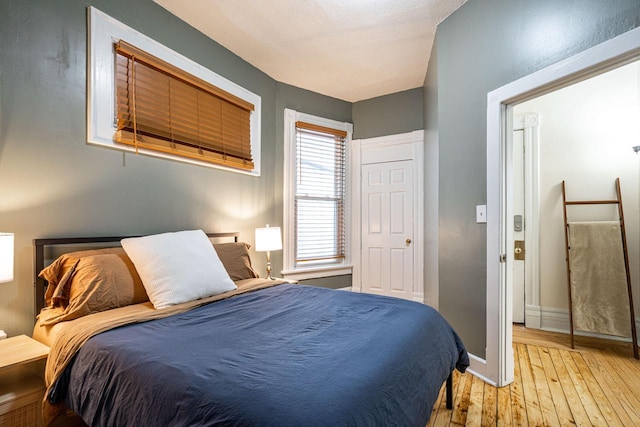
<point>415,140</point>
<point>498,366</point>
<point>529,123</point>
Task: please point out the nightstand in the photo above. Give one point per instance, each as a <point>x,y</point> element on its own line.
<point>21,388</point>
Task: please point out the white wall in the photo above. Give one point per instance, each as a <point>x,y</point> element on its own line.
<point>586,134</point>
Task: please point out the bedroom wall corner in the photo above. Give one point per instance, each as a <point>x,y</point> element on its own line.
<point>430,109</point>
<point>305,101</point>
<point>392,114</point>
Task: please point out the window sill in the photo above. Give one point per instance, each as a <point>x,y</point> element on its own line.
<point>317,272</point>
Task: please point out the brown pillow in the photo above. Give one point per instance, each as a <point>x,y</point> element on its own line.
<point>235,258</point>
<point>86,282</point>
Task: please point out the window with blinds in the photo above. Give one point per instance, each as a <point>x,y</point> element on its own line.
<point>162,108</point>
<point>319,199</point>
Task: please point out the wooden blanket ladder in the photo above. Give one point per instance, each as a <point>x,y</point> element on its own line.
<point>618,202</point>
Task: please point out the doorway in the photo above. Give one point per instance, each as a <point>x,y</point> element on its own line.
<point>388,215</point>
<point>623,49</point>
<point>586,138</point>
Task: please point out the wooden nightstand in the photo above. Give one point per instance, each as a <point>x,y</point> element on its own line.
<point>21,388</point>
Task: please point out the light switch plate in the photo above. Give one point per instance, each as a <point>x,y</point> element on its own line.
<point>481,214</point>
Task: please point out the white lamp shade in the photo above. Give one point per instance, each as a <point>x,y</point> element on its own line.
<point>6,257</point>
<point>268,239</point>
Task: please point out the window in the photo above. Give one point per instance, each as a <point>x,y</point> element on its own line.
<point>316,196</point>
<point>162,108</point>
<point>122,61</point>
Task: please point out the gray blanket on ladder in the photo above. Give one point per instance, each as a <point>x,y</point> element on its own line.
<point>598,278</point>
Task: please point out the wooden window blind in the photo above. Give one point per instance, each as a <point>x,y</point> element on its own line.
<point>319,194</point>
<point>163,108</point>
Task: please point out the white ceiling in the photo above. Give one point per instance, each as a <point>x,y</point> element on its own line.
<point>347,49</point>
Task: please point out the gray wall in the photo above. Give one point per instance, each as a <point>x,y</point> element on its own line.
<point>485,45</point>
<point>388,115</point>
<point>53,184</point>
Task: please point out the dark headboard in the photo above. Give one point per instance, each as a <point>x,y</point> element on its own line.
<point>39,246</point>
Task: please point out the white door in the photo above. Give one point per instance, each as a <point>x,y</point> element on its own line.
<point>519,225</point>
<point>387,228</point>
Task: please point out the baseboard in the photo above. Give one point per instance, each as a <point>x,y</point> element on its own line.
<point>533,316</point>
<point>477,365</point>
<point>346,288</point>
<point>557,320</point>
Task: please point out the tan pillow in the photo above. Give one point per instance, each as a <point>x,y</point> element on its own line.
<point>86,282</point>
<point>235,258</point>
<point>55,272</point>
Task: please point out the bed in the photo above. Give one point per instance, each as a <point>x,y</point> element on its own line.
<point>263,353</point>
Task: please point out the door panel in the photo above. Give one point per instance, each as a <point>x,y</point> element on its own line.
<point>397,259</point>
<point>397,207</point>
<point>387,228</point>
<point>518,209</point>
<point>375,213</point>
<point>375,269</point>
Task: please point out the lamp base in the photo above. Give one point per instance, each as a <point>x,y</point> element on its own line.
<point>268,276</point>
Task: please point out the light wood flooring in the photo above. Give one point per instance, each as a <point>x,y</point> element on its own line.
<point>597,384</point>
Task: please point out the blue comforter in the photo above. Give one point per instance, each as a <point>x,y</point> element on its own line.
<point>289,355</point>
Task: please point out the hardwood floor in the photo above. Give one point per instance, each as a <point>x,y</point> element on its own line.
<point>597,384</point>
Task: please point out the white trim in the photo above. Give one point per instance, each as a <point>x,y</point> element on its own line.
<point>532,316</point>
<point>356,206</point>
<point>414,142</point>
<point>607,55</point>
<point>103,31</point>
<point>390,140</point>
<point>289,269</point>
<point>316,273</point>
<point>498,317</point>
<point>477,367</point>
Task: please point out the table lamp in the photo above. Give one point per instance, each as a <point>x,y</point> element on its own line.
<point>6,257</point>
<point>268,239</point>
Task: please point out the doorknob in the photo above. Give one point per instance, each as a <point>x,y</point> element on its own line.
<point>518,250</point>
<point>408,242</point>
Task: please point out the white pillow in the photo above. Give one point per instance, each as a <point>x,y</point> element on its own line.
<point>178,267</point>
